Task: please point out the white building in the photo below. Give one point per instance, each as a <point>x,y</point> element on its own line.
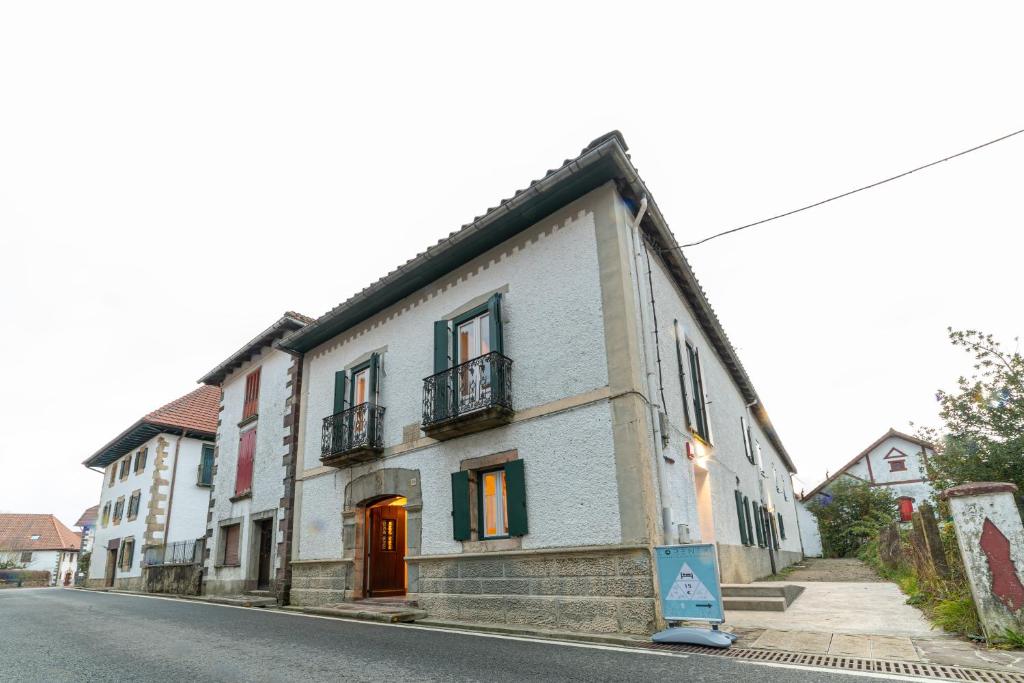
<point>895,461</point>
<point>253,475</point>
<point>152,494</point>
<point>87,527</point>
<point>40,543</point>
<point>581,404</point>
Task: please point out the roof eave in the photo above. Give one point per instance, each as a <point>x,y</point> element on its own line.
<point>285,325</point>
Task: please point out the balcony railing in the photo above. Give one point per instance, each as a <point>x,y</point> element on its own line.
<point>479,390</point>
<point>353,434</point>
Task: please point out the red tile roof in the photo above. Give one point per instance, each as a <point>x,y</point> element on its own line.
<point>89,517</point>
<point>197,410</point>
<point>16,532</point>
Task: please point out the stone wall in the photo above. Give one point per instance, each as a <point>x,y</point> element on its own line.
<point>320,582</point>
<point>608,591</point>
<point>177,579</point>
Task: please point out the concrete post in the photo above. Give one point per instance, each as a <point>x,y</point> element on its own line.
<point>991,540</point>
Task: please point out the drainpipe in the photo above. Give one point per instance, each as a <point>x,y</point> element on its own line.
<point>659,464</point>
<point>170,492</point>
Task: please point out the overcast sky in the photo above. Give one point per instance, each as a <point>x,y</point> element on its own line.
<point>174,176</point>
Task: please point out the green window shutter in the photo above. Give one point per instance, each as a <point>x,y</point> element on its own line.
<point>682,375</point>
<point>748,521</point>
<point>782,526</point>
<point>441,335</point>
<point>460,505</point>
<point>515,497</point>
<point>739,516</point>
<point>757,526</point>
<point>374,368</point>
<point>494,317</point>
<point>339,391</point>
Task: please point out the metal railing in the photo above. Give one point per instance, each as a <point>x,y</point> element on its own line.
<point>360,426</point>
<point>179,552</point>
<point>480,383</point>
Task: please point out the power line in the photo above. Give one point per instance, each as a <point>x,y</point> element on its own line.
<point>847,194</point>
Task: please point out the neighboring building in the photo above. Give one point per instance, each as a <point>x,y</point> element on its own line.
<point>504,427</point>
<point>41,543</point>
<point>87,525</point>
<point>152,494</point>
<point>253,471</point>
<point>895,460</point>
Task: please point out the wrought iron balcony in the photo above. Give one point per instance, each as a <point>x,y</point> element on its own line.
<point>469,397</point>
<point>353,435</point>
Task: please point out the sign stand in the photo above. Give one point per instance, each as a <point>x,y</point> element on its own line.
<point>690,591</point>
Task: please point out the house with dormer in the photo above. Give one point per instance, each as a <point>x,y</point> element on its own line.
<point>895,460</point>
<point>502,429</point>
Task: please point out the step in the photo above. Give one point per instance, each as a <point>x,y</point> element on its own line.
<point>755,604</point>
<point>364,612</point>
<point>761,590</point>
<point>239,600</point>
<point>388,602</point>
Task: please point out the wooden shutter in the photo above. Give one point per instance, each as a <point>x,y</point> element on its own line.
<point>759,525</point>
<point>748,446</point>
<point>340,398</point>
<point>682,374</point>
<point>252,394</point>
<point>515,498</point>
<point>371,394</point>
<point>494,318</point>
<point>246,451</point>
<point>460,506</point>
<point>748,520</point>
<point>231,534</point>
<point>739,516</point>
<point>782,526</point>
<point>442,339</point>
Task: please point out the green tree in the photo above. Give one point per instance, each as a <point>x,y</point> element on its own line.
<point>854,515</point>
<point>982,437</point>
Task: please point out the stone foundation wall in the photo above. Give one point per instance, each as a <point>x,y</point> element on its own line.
<point>743,564</point>
<point>610,591</point>
<point>176,579</point>
<point>320,582</point>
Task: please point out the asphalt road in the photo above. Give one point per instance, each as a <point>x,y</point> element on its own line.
<point>71,635</point>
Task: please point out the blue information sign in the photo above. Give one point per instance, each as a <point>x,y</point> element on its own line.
<point>688,578</point>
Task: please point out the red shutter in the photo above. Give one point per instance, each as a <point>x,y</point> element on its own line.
<point>906,509</point>
<point>252,394</point>
<point>231,534</point>
<point>246,451</point>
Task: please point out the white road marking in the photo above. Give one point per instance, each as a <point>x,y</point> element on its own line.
<point>438,629</point>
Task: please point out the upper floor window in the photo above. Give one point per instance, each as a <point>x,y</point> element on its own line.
<point>140,460</point>
<point>700,414</point>
<point>897,465</point>
<point>205,474</point>
<point>133,505</point>
<point>118,510</point>
<point>252,394</point>
<point>106,513</point>
<point>113,474</point>
<point>125,464</point>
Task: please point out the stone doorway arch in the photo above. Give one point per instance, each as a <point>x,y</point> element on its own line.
<point>361,493</point>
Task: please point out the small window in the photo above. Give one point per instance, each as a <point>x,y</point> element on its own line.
<point>140,460</point>
<point>387,533</point>
<point>748,439</point>
<point>118,510</point>
<point>127,554</point>
<point>229,541</point>
<point>897,465</point>
<point>782,526</point>
<point>205,476</point>
<point>113,474</point>
<point>700,413</point>
<point>26,556</point>
<point>252,394</point>
<point>106,513</point>
<point>133,505</point>
<point>493,504</point>
<point>35,537</point>
<point>123,474</point>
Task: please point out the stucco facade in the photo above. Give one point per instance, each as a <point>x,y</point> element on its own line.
<point>268,499</point>
<point>609,465</point>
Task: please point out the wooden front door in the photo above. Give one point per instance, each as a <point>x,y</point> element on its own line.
<point>266,543</point>
<point>386,557</point>
<point>111,566</point>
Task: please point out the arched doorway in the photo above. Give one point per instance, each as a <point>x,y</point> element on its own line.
<point>385,548</point>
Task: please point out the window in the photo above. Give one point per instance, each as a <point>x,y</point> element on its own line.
<point>700,415</point>
<point>34,537</point>
<point>682,374</point>
<point>26,556</point>
<point>906,509</point>
<point>387,533</point>
<point>140,460</point>
<point>205,475</point>
<point>897,465</point>
<point>749,519</point>
<point>500,502</point>
<point>118,510</point>
<point>127,554</point>
<point>123,474</point>
<point>782,526</point>
<point>741,517</point>
<point>493,504</point>
<point>113,474</point>
<point>748,440</point>
<point>775,478</point>
<point>246,453</point>
<point>475,334</point>
<point>252,394</point>
<point>229,545</point>
<point>133,505</point>
<point>106,514</point>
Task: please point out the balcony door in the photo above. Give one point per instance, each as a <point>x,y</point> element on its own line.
<point>473,340</point>
<point>360,397</point>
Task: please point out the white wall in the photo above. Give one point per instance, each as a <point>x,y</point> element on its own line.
<point>900,483</point>
<point>268,468</point>
<point>553,332</point>
<point>810,536</point>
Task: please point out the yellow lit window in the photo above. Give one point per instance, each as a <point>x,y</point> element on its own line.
<point>494,504</point>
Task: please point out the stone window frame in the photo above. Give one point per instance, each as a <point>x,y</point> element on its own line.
<point>141,457</point>
<point>126,466</point>
<point>220,548</point>
<point>137,497</point>
<point>118,510</point>
<point>475,467</point>
<point>126,542</point>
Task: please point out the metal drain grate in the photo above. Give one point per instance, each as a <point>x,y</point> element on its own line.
<point>934,671</point>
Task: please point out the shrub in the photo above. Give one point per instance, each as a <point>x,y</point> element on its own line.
<point>854,515</point>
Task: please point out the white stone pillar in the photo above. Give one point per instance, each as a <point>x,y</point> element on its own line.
<point>991,539</point>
